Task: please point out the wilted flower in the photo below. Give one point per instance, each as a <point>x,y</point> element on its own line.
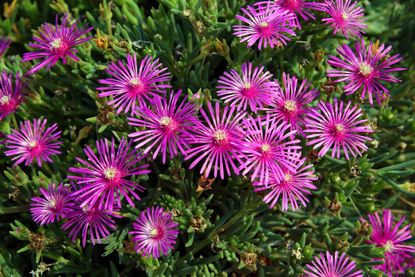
<point>365,69</point>
<point>4,45</point>
<point>391,236</point>
<point>168,126</point>
<point>252,88</point>
<point>11,95</point>
<point>54,204</point>
<point>267,24</point>
<point>33,142</point>
<point>154,232</point>
<point>332,265</point>
<point>218,142</point>
<point>104,179</point>
<point>131,83</point>
<point>337,127</point>
<point>56,42</point>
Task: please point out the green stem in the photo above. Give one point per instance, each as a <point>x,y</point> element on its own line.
<point>13,210</point>
<point>13,116</point>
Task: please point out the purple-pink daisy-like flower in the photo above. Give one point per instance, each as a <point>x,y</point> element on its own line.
<point>33,142</point>
<point>332,265</point>
<point>365,69</point>
<point>266,24</point>
<point>337,127</point>
<point>91,221</point>
<point>345,17</point>
<point>391,235</point>
<point>269,149</point>
<point>105,178</point>
<point>290,103</point>
<point>294,188</point>
<point>56,42</point>
<point>4,45</point>
<point>11,95</point>
<point>154,232</point>
<point>54,204</point>
<point>131,84</point>
<point>168,126</point>
<point>218,142</point>
<point>254,88</point>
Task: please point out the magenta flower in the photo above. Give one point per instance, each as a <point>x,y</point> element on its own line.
<point>54,204</point>
<point>89,221</point>
<point>154,232</point>
<point>131,85</point>
<point>269,149</point>
<point>168,126</point>
<point>391,236</point>
<point>345,17</point>
<point>218,142</point>
<point>4,45</point>
<point>365,69</point>
<point>330,266</point>
<point>56,42</point>
<point>291,102</point>
<point>105,178</point>
<point>33,142</point>
<point>293,188</point>
<point>11,95</point>
<point>265,24</point>
<point>337,127</point>
<point>253,88</point>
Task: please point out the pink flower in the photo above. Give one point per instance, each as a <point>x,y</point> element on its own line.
<point>268,25</point>
<point>11,95</point>
<point>293,188</point>
<point>131,84</point>
<point>56,42</point>
<point>290,103</point>
<point>218,142</point>
<point>105,178</point>
<point>254,88</point>
<point>337,127</point>
<point>33,142</point>
<point>390,236</point>
<point>4,45</point>
<point>345,17</point>
<point>332,265</point>
<point>154,232</point>
<point>365,69</point>
<point>269,149</point>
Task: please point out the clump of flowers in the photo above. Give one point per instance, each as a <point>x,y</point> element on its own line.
<point>330,265</point>
<point>154,232</point>
<point>11,95</point>
<point>4,45</point>
<point>130,84</point>
<point>33,142</point>
<point>364,70</point>
<point>56,42</point>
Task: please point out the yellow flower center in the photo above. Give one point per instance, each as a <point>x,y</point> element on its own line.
<point>365,69</point>
<point>56,43</point>
<point>136,82</point>
<point>388,246</point>
<point>4,100</point>
<point>154,232</point>
<point>288,177</point>
<point>32,143</point>
<point>247,85</point>
<point>263,24</point>
<point>265,148</point>
<point>110,173</point>
<point>220,136</point>
<point>345,16</point>
<point>290,105</point>
<point>339,128</point>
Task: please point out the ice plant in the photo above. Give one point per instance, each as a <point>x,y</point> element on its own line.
<point>92,222</point>
<point>4,45</point>
<point>11,94</point>
<point>266,24</point>
<point>104,178</point>
<point>290,103</point>
<point>345,17</point>
<point>130,84</point>
<point>269,149</point>
<point>168,126</point>
<point>365,69</point>
<point>218,142</point>
<point>337,127</point>
<point>391,236</point>
<point>253,87</point>
<point>294,188</point>
<point>33,142</point>
<point>56,42</point>
<point>54,204</point>
<point>330,265</point>
<point>154,232</point>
